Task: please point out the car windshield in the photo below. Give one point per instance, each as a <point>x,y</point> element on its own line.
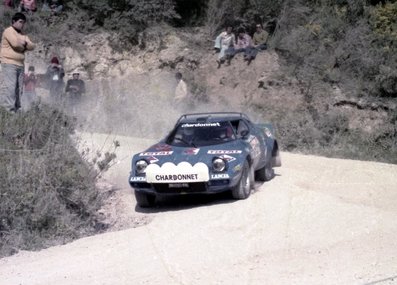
<point>201,134</point>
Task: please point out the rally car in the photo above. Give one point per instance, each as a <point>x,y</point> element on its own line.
<point>206,153</point>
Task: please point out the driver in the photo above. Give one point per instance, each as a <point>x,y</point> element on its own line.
<point>188,134</point>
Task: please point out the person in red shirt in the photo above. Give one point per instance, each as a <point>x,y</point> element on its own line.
<point>27,6</point>
<point>9,3</point>
<point>29,91</point>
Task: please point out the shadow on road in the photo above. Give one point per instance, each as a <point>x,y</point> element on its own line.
<point>183,202</point>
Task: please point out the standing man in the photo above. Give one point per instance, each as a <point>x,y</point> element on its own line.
<point>14,44</point>
<point>75,87</point>
<point>181,92</point>
<point>54,76</point>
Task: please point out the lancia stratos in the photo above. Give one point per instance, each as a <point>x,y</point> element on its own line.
<point>206,153</point>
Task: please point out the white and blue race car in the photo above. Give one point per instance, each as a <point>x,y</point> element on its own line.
<point>206,153</point>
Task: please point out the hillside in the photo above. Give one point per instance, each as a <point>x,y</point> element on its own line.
<point>127,87</point>
<point>307,83</point>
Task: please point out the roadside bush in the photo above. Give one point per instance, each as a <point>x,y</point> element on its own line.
<point>47,193</point>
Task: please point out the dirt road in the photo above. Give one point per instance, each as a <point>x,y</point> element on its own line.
<point>320,221</point>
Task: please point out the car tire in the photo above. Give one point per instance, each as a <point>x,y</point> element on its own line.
<point>265,173</point>
<point>243,188</point>
<point>145,200</point>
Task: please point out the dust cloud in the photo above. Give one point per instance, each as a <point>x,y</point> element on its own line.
<point>139,105</point>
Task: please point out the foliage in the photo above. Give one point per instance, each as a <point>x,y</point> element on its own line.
<point>349,43</point>
<point>328,134</point>
<point>384,23</point>
<point>48,192</point>
<point>240,13</point>
<point>126,17</point>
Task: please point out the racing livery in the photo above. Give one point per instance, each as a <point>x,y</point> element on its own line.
<point>206,153</point>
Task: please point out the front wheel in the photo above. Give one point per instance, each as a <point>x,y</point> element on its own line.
<point>243,188</point>
<point>144,200</point>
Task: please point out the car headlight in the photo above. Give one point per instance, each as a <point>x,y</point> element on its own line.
<point>218,164</point>
<point>140,166</point>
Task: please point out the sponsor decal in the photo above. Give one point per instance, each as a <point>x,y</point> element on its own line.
<point>191,151</point>
<point>228,158</point>
<point>137,178</point>
<point>199,125</point>
<point>176,177</point>
<point>153,159</point>
<point>267,132</point>
<point>220,176</point>
<point>158,153</point>
<point>162,147</point>
<point>184,172</point>
<point>237,168</point>
<point>254,142</point>
<point>224,151</point>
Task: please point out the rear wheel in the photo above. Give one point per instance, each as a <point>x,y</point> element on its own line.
<point>144,200</point>
<point>266,173</point>
<point>243,188</point>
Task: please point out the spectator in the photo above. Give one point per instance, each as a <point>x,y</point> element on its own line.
<point>54,76</point>
<point>225,42</point>
<point>27,6</point>
<point>29,91</point>
<point>180,90</point>
<point>54,6</point>
<point>14,44</point>
<point>9,3</point>
<point>260,38</point>
<point>244,44</point>
<point>75,87</point>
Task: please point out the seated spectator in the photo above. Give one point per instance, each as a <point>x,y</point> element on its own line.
<point>225,42</point>
<point>260,38</point>
<point>27,6</point>
<point>244,44</point>
<point>54,6</point>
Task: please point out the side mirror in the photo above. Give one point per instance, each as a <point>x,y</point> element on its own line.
<point>244,134</point>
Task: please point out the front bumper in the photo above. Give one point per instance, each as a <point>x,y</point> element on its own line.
<point>210,187</point>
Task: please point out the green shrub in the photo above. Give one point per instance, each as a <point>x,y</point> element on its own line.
<point>48,193</point>
<point>384,23</point>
